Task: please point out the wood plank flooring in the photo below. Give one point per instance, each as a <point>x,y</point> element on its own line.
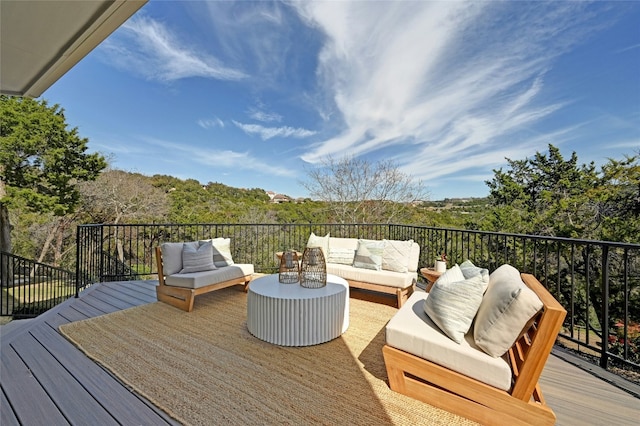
<point>45,380</point>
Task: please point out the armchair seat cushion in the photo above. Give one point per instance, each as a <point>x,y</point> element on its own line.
<point>195,280</point>
<point>412,331</point>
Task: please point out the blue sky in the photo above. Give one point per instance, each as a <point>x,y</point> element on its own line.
<point>254,94</point>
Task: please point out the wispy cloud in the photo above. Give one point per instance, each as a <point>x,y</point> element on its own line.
<point>208,123</point>
<point>462,83</point>
<point>264,116</point>
<point>223,159</point>
<point>149,48</point>
<point>267,133</point>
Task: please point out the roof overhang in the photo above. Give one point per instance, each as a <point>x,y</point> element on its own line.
<point>41,40</point>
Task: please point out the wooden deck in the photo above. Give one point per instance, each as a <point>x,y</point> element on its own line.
<point>46,380</point>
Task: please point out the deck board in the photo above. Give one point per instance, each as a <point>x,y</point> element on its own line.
<point>22,389</point>
<point>44,376</point>
<point>66,392</point>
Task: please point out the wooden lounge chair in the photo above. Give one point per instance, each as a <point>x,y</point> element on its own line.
<point>475,400</point>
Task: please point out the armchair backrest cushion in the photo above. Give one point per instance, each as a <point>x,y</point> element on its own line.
<point>507,307</point>
<point>172,258</point>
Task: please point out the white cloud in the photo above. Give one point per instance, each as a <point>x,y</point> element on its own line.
<point>221,159</point>
<point>265,117</point>
<point>148,48</point>
<point>208,123</point>
<point>271,132</point>
<point>461,82</point>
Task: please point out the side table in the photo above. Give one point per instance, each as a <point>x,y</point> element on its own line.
<point>431,275</point>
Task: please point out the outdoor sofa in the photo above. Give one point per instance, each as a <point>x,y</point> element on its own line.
<point>387,266</point>
<point>187,269</point>
<point>490,372</point>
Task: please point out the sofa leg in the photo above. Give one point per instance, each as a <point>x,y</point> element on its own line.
<point>181,298</point>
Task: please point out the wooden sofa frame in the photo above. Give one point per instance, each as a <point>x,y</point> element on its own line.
<point>523,404</point>
<point>183,298</point>
<point>402,294</point>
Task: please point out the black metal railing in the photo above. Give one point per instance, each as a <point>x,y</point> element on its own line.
<point>596,281</point>
<point>29,288</point>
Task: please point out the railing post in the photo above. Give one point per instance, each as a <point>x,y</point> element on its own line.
<point>100,254</point>
<point>78,229</point>
<point>605,307</point>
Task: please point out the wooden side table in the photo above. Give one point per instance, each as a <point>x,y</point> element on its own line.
<point>431,275</point>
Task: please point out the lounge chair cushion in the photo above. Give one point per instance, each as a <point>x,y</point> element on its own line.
<point>172,257</point>
<point>201,279</point>
<point>506,309</point>
<point>369,254</point>
<point>454,301</point>
<point>412,331</point>
<point>221,251</point>
<point>197,258</point>
<point>395,256</point>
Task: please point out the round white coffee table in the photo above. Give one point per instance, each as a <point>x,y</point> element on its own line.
<point>292,315</point>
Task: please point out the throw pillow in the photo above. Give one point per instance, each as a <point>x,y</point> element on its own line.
<point>469,270</point>
<point>507,307</point>
<point>453,302</point>
<point>322,242</point>
<point>396,255</point>
<point>342,256</point>
<point>369,254</point>
<point>197,258</point>
<point>222,252</point>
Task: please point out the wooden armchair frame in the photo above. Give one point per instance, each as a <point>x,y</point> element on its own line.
<point>183,298</point>
<point>477,401</point>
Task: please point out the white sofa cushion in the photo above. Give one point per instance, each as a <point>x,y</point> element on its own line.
<point>506,308</point>
<point>386,278</point>
<point>343,256</point>
<point>369,254</point>
<point>395,256</point>
<point>222,251</point>
<point>322,242</point>
<point>412,331</point>
<point>454,301</point>
<point>201,279</point>
<point>197,258</point>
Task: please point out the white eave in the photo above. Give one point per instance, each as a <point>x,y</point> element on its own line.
<point>41,40</point>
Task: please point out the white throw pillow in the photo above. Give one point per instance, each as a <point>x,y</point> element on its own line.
<point>506,309</point>
<point>221,252</point>
<point>369,254</point>
<point>396,255</point>
<point>197,258</point>
<point>469,269</point>
<point>343,256</point>
<point>322,242</point>
<point>453,302</point>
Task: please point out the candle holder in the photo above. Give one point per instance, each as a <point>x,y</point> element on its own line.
<point>313,270</point>
<point>289,271</point>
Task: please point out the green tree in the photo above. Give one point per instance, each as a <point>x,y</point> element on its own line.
<point>41,161</point>
<point>545,195</point>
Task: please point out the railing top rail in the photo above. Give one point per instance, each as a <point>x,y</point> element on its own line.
<point>501,234</point>
<point>33,262</point>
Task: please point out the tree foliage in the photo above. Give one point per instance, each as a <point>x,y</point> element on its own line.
<point>358,191</point>
<point>548,195</point>
<point>41,159</point>
<point>41,162</point>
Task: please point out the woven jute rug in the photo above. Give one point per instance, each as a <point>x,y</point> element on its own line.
<point>205,368</point>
